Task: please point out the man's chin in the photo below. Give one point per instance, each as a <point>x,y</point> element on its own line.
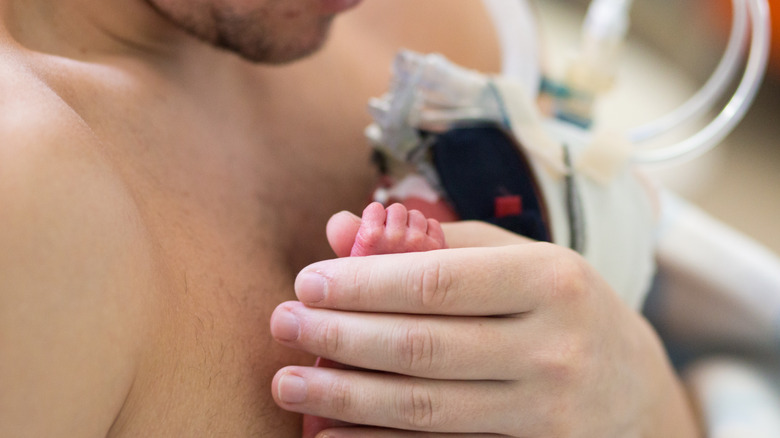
<point>281,57</point>
<point>278,51</point>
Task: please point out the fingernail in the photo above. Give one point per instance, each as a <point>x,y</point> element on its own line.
<point>311,288</point>
<point>292,389</point>
<point>286,327</point>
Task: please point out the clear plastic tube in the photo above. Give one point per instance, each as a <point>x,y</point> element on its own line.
<point>519,39</point>
<point>592,72</point>
<point>519,43</point>
<point>607,19</point>
<point>713,90</point>
<point>732,114</point>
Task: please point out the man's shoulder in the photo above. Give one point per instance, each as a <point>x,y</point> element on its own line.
<point>30,108</point>
<point>44,145</point>
<point>75,268</point>
<point>55,175</point>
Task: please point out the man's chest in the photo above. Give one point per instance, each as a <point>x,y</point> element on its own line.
<point>210,358</point>
<point>207,367</point>
<point>233,213</point>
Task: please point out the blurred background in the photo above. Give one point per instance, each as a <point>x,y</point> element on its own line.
<point>674,47</point>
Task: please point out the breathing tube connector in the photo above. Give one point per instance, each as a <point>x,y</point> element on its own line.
<point>592,73</point>
<point>606,26</point>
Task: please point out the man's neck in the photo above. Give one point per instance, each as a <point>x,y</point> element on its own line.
<point>88,28</point>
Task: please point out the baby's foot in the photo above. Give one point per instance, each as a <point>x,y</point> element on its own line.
<point>380,231</point>
<point>384,231</point>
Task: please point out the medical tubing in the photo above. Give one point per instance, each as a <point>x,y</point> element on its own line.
<point>593,70</point>
<point>716,86</point>
<point>607,19</point>
<point>519,41</point>
<point>734,111</point>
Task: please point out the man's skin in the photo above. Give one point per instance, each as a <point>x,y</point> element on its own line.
<point>159,196</point>
<point>145,239</point>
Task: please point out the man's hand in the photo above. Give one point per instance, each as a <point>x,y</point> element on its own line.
<point>522,340</point>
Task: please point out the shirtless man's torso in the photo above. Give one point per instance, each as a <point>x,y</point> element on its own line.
<point>155,212</point>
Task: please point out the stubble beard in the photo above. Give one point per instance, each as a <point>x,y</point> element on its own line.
<point>251,35</point>
<point>244,36</point>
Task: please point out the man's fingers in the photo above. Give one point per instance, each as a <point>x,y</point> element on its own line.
<point>398,402</point>
<point>455,348</point>
<point>475,234</point>
<point>468,281</point>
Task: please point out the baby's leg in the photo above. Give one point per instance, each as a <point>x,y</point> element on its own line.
<point>384,231</point>
<point>380,231</point>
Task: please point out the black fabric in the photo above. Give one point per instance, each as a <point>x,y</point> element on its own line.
<point>479,164</point>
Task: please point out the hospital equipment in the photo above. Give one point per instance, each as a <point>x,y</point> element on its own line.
<point>586,192</point>
<point>718,295</point>
<point>605,28</point>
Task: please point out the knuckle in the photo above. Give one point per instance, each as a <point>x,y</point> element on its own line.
<point>572,276</point>
<point>416,349</point>
<point>548,422</point>
<point>341,399</point>
<point>431,285</point>
<point>565,361</point>
<point>418,408</point>
<point>360,287</point>
<point>329,337</point>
